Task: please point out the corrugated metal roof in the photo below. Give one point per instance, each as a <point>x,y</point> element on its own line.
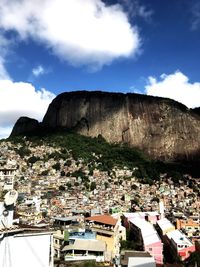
<point>165,224</point>
<point>90,245</point>
<point>149,234</point>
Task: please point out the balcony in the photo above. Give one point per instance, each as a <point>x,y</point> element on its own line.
<point>84,257</point>
<point>98,228</point>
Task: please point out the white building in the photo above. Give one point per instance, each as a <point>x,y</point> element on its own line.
<point>165,226</point>
<point>7,177</point>
<point>180,245</point>
<point>22,247</point>
<point>141,262</point>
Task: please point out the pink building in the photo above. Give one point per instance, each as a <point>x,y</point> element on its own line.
<point>147,235</point>
<point>180,245</point>
<point>149,216</point>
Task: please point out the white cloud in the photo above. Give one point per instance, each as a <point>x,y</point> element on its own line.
<point>79,33</point>
<point>3,73</point>
<point>21,99</point>
<point>4,47</point>
<point>175,86</point>
<point>195,18</point>
<point>136,9</point>
<point>37,71</point>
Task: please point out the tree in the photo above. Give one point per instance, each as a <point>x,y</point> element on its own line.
<point>68,163</point>
<point>193,260</point>
<point>61,188</point>
<point>136,201</point>
<point>69,185</point>
<point>45,172</point>
<point>33,159</point>
<point>76,183</point>
<point>62,173</point>
<point>24,151</point>
<point>134,187</point>
<point>176,176</point>
<point>87,186</point>
<point>92,186</point>
<point>56,166</point>
<point>106,184</point>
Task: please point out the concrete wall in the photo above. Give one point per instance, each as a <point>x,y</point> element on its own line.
<point>156,251</point>
<point>25,251</point>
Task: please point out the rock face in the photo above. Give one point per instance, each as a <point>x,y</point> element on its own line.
<point>25,125</point>
<point>163,128</point>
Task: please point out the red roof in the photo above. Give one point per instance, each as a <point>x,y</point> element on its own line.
<point>182,253</point>
<point>105,219</point>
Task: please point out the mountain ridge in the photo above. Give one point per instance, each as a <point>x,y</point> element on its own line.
<point>162,128</point>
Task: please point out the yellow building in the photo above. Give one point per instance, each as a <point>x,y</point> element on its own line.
<point>109,230</point>
<point>165,226</point>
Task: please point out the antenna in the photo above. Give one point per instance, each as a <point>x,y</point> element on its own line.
<point>11,197</point>
<point>7,208</point>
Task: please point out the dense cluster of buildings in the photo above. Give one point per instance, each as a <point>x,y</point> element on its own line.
<point>80,214</point>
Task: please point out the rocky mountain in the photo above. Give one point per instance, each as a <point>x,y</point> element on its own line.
<point>25,125</point>
<point>163,128</point>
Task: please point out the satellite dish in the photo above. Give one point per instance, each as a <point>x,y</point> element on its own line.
<point>5,213</point>
<point>10,197</point>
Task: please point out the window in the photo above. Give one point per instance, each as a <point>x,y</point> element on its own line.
<point>150,249</point>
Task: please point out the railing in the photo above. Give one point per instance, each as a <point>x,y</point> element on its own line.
<point>84,257</point>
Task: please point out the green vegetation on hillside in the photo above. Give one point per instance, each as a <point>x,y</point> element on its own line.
<point>96,150</point>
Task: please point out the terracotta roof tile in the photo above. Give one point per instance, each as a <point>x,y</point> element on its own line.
<point>105,219</point>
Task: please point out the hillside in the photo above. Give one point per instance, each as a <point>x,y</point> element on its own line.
<point>98,153</point>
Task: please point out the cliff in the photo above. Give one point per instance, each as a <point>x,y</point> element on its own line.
<point>163,128</point>
<point>25,125</point>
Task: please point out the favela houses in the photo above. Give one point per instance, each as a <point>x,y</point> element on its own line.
<point>99,133</point>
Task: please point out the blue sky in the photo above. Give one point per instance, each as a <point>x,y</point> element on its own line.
<point>48,47</point>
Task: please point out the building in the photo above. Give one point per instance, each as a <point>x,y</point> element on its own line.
<point>136,258</point>
<point>164,227</point>
<point>22,247</point>
<point>65,222</point>
<point>7,178</point>
<point>189,226</point>
<point>146,236</point>
<point>179,244</point>
<point>141,262</point>
<point>64,227</point>
<point>150,216</point>
<point>83,249</point>
<point>109,230</point>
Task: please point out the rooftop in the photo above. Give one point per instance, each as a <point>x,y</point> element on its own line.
<point>82,235</point>
<point>126,254</point>
<point>179,238</point>
<point>141,261</point>
<point>67,219</point>
<point>149,234</point>
<point>130,215</point>
<point>104,219</point>
<point>90,245</point>
<point>165,224</point>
